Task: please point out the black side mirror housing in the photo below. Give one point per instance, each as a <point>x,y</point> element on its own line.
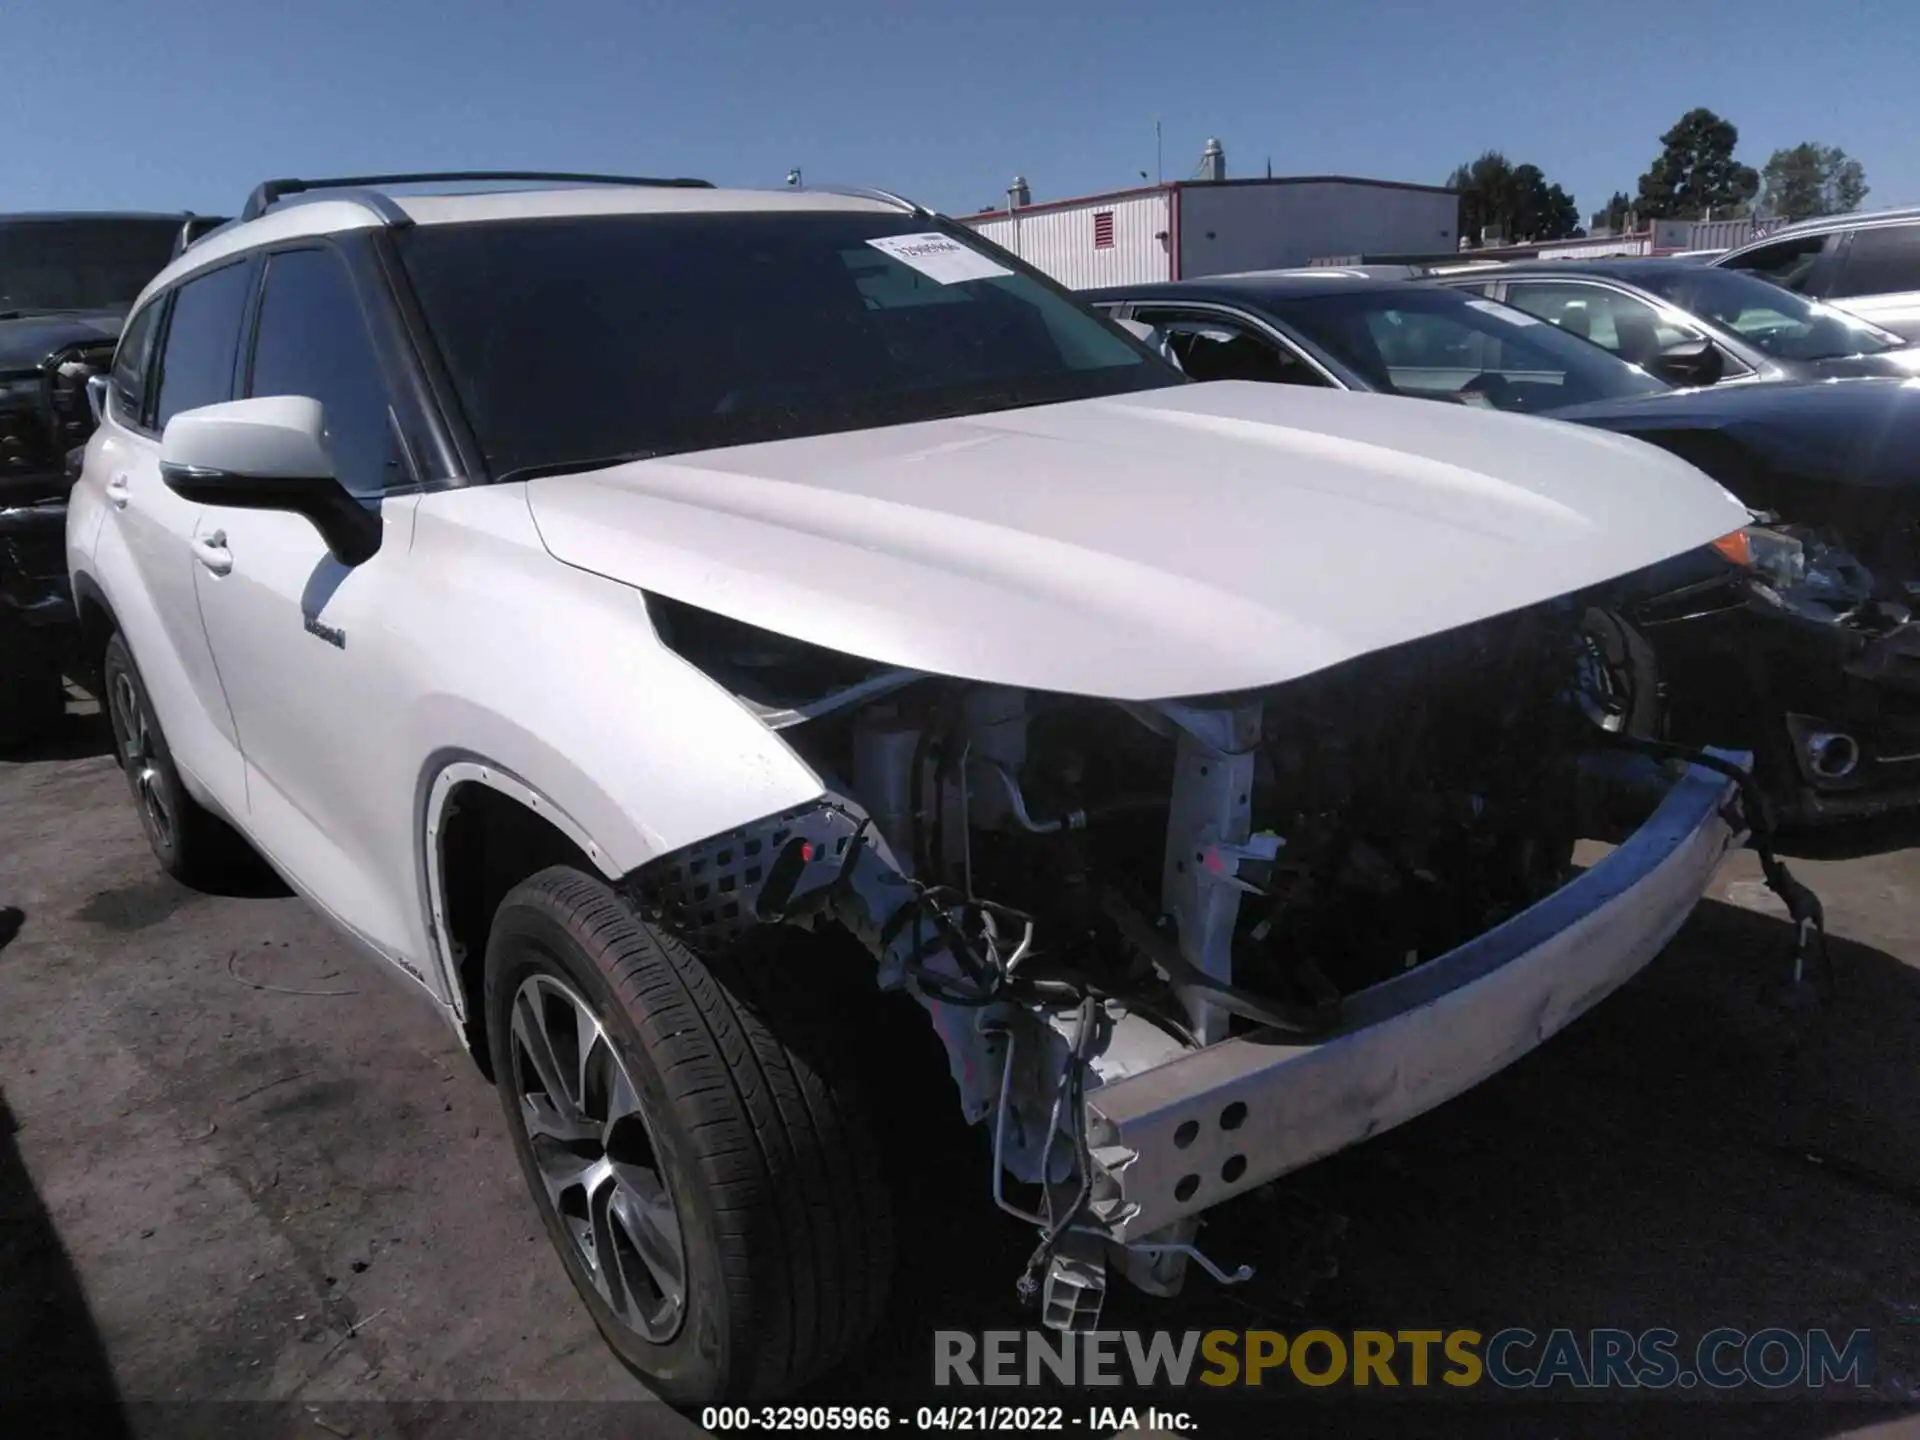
<point>352,531</point>
<point>1690,363</point>
<point>268,453</point>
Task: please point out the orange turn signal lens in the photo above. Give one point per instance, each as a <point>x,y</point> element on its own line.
<point>1737,548</point>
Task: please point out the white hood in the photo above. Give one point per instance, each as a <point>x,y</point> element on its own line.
<point>1186,541</point>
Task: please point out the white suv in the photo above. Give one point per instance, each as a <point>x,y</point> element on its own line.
<point>617,606</point>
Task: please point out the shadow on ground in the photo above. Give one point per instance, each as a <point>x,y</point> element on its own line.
<point>82,738</point>
<point>1682,1157</point>
<point>1856,839</point>
<point>57,1379</point>
<point>84,735</point>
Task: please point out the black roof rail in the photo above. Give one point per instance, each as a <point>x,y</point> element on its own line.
<point>194,227</point>
<point>268,192</point>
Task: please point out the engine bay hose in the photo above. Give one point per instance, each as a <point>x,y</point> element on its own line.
<point>1803,906</point>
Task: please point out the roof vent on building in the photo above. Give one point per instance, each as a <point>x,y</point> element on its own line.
<point>1213,161</point>
<point>1019,193</point>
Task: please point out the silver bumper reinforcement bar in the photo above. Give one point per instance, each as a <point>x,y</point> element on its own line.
<point>1172,1141</point>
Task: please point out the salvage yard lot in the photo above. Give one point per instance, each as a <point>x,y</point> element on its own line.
<point>244,1166</point>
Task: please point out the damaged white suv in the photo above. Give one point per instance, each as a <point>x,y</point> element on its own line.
<point>614,604</point>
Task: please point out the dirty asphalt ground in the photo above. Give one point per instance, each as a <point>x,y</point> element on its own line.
<point>248,1187</point>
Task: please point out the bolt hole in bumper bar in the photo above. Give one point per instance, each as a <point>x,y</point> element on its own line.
<point>1184,1136</point>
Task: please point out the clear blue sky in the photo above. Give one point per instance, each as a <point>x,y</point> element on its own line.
<point>115,103</point>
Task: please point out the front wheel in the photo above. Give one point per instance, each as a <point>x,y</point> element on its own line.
<point>694,1143</point>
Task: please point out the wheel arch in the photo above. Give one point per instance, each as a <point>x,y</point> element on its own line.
<point>539,782</point>
<point>485,828</point>
<point>98,622</point>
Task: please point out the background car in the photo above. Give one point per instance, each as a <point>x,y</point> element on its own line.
<point>1355,332</point>
<point>66,281</point>
<point>1868,265</point>
<point>1696,324</point>
<point>1798,648</point>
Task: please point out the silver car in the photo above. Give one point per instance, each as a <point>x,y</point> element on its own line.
<point>1868,265</point>
<point>1696,324</point>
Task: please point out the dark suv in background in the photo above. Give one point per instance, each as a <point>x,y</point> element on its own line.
<point>66,281</point>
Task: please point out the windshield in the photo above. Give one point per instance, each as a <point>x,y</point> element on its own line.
<point>88,264</point>
<point>1448,345</point>
<point>585,340</point>
<point>1785,325</point>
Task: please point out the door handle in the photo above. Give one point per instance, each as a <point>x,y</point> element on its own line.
<point>118,492</point>
<point>211,551</point>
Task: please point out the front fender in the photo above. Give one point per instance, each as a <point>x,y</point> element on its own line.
<point>618,816</point>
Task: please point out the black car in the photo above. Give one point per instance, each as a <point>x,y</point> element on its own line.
<point>66,281</point>
<point>1696,324</point>
<point>1798,642</point>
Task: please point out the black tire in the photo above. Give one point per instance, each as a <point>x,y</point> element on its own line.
<point>192,844</point>
<point>754,1122</point>
<point>33,696</point>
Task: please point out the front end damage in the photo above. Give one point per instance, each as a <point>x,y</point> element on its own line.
<point>1175,950</point>
<point>1847,662</point>
<point>1814,664</point>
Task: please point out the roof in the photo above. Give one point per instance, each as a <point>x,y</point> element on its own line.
<point>1624,268</point>
<point>1362,272</point>
<point>1836,222</point>
<point>1167,187</point>
<point>1250,289</point>
<point>331,212</point>
<point>614,200</point>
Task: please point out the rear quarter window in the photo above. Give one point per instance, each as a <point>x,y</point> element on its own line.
<point>1881,261</point>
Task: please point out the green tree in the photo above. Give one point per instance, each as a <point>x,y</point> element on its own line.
<point>1695,172</point>
<point>1614,215</point>
<point>1811,180</point>
<point>1516,200</point>
<point>1542,211</point>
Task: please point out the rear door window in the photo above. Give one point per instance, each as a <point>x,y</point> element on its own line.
<point>1787,263</point>
<point>130,363</point>
<point>1881,261</point>
<point>1216,347</point>
<point>1628,326</point>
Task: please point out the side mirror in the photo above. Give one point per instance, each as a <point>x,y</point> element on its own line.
<point>267,454</point>
<point>97,397</point>
<point>1691,362</point>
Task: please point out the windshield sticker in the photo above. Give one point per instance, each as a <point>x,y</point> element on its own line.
<point>1502,312</point>
<point>941,260</point>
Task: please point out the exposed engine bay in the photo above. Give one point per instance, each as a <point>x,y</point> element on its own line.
<point>1079,890</point>
<point>1368,816</point>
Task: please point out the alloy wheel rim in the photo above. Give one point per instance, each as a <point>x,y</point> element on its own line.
<point>1603,692</point>
<point>593,1149</point>
<point>137,757</point>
